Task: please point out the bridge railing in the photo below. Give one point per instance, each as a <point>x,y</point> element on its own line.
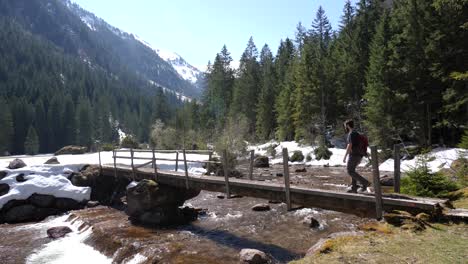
<point>142,154</point>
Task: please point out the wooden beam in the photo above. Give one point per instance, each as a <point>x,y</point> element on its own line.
<point>286,178</point>
<point>252,157</point>
<point>186,171</point>
<point>396,169</point>
<point>377,189</point>
<point>226,174</point>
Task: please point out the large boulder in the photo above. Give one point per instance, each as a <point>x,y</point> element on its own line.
<point>261,162</point>
<point>4,188</point>
<point>42,200</point>
<point>52,160</point>
<point>58,231</point>
<point>21,213</point>
<point>254,256</point>
<point>3,174</point>
<point>16,164</point>
<point>73,150</point>
<point>156,204</point>
<point>66,204</point>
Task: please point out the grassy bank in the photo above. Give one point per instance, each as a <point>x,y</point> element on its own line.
<point>443,243</point>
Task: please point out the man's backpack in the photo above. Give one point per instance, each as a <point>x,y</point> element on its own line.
<point>363,144</point>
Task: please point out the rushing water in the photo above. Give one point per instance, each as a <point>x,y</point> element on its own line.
<point>104,235</point>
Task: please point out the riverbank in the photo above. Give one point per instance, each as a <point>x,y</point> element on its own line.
<point>441,243</point>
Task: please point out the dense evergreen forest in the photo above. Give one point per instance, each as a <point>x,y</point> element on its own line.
<point>49,99</point>
<point>399,68</point>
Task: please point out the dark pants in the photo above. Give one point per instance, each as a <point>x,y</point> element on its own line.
<point>353,162</point>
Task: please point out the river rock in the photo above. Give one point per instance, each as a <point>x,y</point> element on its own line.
<point>52,160</point>
<point>21,213</point>
<point>303,169</point>
<point>3,174</point>
<point>262,162</point>
<point>42,200</point>
<point>4,188</point>
<point>386,180</point>
<point>254,256</point>
<point>311,222</point>
<point>279,174</point>
<point>73,150</point>
<point>16,164</point>
<point>261,207</point>
<point>67,204</point>
<point>91,204</point>
<point>20,178</point>
<point>58,231</point>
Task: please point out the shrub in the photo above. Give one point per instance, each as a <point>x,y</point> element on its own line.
<point>420,181</point>
<point>107,147</point>
<point>232,139</point>
<point>309,157</point>
<point>322,152</point>
<point>297,156</point>
<point>271,150</point>
<point>464,141</point>
<point>129,142</point>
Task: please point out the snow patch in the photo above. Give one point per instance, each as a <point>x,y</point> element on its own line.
<point>442,159</point>
<point>47,180</point>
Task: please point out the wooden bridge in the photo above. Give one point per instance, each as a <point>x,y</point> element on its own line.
<point>364,205</point>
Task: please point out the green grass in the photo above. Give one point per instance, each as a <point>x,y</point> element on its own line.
<point>441,244</point>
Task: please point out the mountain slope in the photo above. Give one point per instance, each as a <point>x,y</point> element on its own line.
<point>81,34</point>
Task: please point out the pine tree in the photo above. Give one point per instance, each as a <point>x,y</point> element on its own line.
<point>381,110</point>
<point>284,70</point>
<point>6,124</point>
<point>247,86</point>
<point>31,144</point>
<point>84,124</point>
<point>218,95</point>
<point>265,107</point>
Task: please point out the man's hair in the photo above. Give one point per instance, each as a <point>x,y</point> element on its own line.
<point>349,123</point>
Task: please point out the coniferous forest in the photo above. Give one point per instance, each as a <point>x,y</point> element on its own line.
<point>398,68</point>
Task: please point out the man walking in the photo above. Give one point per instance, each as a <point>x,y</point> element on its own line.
<point>355,157</point>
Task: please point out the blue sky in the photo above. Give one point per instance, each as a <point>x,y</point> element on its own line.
<point>197,29</point>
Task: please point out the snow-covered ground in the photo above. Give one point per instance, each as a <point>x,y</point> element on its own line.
<point>43,179</point>
<point>336,158</point>
<point>442,157</point>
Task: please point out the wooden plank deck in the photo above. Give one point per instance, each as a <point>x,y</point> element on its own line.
<point>359,204</point>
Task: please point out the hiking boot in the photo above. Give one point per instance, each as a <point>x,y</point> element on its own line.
<point>364,187</point>
<point>351,189</point>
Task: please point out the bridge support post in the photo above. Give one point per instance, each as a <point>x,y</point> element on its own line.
<point>177,161</point>
<point>226,174</point>
<point>114,154</point>
<point>286,178</point>
<point>252,157</point>
<point>376,180</point>
<point>100,164</point>
<point>186,171</point>
<point>133,166</point>
<point>396,170</point>
<point>154,165</point>
<point>208,164</point>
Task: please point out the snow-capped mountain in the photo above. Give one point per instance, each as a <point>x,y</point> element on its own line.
<point>183,68</point>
